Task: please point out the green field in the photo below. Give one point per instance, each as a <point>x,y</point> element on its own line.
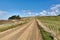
<point>52,22</point>
<point>8,25</point>
<point>45,35</point>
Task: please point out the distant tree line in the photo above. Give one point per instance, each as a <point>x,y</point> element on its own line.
<point>14,17</point>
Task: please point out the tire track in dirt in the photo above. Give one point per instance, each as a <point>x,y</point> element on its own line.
<point>2,34</point>
<point>28,31</point>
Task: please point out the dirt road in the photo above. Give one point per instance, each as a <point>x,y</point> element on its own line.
<point>28,31</point>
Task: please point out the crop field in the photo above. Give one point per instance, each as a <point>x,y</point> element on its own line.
<point>8,24</point>
<point>52,22</point>
<point>45,35</point>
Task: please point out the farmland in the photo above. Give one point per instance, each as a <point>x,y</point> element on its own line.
<point>28,31</point>
<point>8,24</point>
<point>51,22</point>
<point>30,28</point>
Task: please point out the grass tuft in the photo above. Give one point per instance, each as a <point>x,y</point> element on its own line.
<point>45,35</point>
<point>9,27</point>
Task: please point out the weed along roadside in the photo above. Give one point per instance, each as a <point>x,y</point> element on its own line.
<point>45,35</point>
<point>13,24</point>
<point>51,25</point>
<point>10,27</point>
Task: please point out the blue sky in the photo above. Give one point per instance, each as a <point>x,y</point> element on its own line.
<point>27,7</point>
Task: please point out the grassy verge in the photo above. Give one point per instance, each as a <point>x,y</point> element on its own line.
<point>45,35</point>
<point>52,22</point>
<point>9,27</point>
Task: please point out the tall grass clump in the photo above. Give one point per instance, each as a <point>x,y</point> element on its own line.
<point>45,35</point>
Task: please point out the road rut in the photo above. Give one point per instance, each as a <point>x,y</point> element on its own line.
<point>28,31</point>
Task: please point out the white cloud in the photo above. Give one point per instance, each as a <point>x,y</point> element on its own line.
<point>52,13</point>
<point>3,12</point>
<point>36,14</point>
<point>29,13</point>
<point>23,10</point>
<point>55,7</point>
<point>43,13</point>
<point>55,10</point>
